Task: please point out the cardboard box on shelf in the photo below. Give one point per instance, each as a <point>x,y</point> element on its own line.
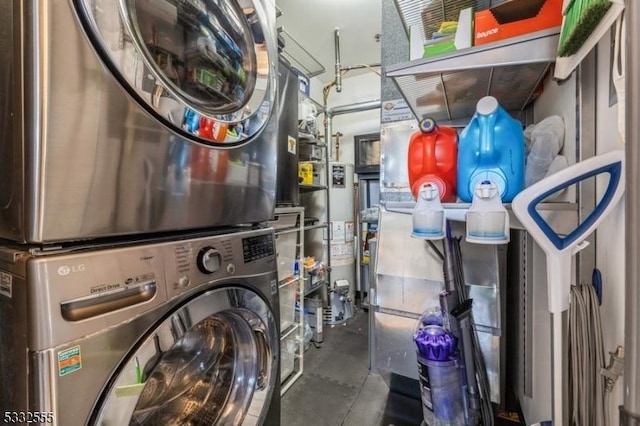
<point>516,17</point>
<point>305,173</point>
<point>461,39</point>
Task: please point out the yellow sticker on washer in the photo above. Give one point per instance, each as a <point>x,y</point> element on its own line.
<point>69,360</point>
<point>6,284</point>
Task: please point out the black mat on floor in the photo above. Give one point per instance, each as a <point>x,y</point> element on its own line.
<point>402,410</point>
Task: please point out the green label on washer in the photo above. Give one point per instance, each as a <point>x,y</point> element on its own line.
<point>69,360</point>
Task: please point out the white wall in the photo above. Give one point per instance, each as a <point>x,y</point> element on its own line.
<point>556,99</point>
<point>610,239</point>
<point>610,236</point>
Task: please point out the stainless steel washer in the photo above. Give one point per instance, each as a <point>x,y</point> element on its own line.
<point>156,333</point>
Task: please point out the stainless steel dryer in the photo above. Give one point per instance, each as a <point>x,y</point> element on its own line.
<point>122,117</point>
<point>180,332</point>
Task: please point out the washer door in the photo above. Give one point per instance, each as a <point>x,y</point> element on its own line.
<point>200,67</point>
<point>212,361</point>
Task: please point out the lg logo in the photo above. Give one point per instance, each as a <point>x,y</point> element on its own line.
<point>66,270</point>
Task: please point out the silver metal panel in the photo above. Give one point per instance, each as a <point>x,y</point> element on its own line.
<point>409,281</point>
<point>394,350</point>
<point>481,262</point>
<point>406,295</point>
<point>11,157</point>
<point>287,191</point>
<point>492,348</point>
<point>409,273</point>
<point>97,165</point>
<point>486,308</point>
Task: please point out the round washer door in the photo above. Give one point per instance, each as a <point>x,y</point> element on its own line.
<point>212,361</point>
<point>203,68</point>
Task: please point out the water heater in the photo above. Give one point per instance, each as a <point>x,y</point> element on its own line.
<point>342,228</point>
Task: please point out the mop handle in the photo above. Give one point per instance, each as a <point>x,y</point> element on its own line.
<point>558,364</point>
<point>559,277</point>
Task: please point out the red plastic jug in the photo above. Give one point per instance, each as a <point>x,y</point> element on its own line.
<point>433,154</point>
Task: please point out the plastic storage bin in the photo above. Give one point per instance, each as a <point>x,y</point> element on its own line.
<point>283,220</point>
<point>288,304</point>
<point>288,348</point>
<point>286,254</point>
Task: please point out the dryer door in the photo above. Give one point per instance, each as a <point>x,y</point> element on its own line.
<point>203,68</point>
<point>212,361</point>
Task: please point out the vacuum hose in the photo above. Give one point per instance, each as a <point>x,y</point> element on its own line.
<point>587,396</point>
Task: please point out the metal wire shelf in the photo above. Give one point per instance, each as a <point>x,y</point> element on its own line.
<point>298,56</point>
<point>447,87</point>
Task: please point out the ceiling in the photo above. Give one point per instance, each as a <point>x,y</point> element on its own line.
<point>312,23</point>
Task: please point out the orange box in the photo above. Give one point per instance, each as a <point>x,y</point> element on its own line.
<point>516,17</point>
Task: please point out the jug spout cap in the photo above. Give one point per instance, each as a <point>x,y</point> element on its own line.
<point>487,105</point>
<point>429,192</point>
<point>428,125</point>
<point>486,190</point>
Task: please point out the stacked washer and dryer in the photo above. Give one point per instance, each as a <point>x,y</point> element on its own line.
<point>138,151</point>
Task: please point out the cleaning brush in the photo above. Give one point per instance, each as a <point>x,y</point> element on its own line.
<point>581,19</point>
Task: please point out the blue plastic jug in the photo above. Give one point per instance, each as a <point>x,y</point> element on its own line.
<point>491,148</point>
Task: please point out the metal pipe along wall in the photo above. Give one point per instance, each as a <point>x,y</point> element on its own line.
<point>338,65</point>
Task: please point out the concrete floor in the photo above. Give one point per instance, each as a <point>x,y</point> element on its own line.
<point>337,387</point>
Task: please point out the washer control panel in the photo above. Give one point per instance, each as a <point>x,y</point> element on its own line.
<point>257,247</point>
